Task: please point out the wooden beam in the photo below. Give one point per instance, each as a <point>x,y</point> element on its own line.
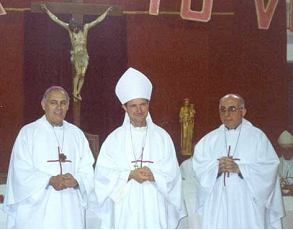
<point>78,17</point>
<point>76,8</point>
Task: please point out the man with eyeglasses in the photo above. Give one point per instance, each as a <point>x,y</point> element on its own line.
<point>236,173</point>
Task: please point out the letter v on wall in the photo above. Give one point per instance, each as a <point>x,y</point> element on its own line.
<point>203,16</point>
<point>265,14</point>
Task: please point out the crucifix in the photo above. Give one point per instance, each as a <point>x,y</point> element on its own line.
<point>235,159</point>
<point>78,37</point>
<point>140,161</point>
<point>61,159</point>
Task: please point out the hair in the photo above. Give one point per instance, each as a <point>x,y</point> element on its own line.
<point>74,23</point>
<point>236,96</point>
<point>52,88</point>
<point>135,98</point>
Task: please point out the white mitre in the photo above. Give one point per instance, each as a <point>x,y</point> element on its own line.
<point>132,85</point>
<point>285,138</point>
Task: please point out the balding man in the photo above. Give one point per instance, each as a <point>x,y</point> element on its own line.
<point>236,173</point>
<point>50,175</point>
<point>286,162</point>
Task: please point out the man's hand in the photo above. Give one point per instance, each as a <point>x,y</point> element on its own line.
<point>141,175</point>
<point>227,164</point>
<point>57,182</point>
<point>61,182</point>
<point>44,7</point>
<point>69,180</point>
<point>147,172</point>
<point>109,9</point>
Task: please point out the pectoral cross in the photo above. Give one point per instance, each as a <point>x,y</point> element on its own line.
<point>235,159</point>
<point>141,161</point>
<point>62,159</point>
<point>228,154</point>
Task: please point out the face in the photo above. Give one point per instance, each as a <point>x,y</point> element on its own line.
<point>74,26</point>
<point>287,151</point>
<point>231,113</point>
<point>55,107</point>
<point>137,110</point>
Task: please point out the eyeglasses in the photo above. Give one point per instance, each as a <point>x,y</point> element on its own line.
<point>231,109</point>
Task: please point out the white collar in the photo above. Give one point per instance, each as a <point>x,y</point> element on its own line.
<point>138,129</point>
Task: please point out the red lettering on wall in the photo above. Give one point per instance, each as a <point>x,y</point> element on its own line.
<point>265,14</point>
<point>203,16</point>
<point>154,7</point>
<point>2,11</point>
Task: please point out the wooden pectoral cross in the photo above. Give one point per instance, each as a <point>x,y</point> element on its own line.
<point>77,8</point>
<point>62,159</point>
<point>140,161</point>
<point>235,159</point>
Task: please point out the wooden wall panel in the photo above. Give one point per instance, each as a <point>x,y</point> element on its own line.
<point>11,87</point>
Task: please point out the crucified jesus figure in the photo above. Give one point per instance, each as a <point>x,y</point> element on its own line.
<point>79,54</point>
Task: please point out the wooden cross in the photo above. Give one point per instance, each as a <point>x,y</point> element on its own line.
<point>77,8</point>
<point>61,159</point>
<point>141,161</point>
<point>235,159</point>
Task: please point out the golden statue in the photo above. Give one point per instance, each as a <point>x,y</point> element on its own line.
<point>79,54</point>
<point>186,118</point>
<point>190,127</point>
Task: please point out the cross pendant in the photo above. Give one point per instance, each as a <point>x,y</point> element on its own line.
<point>234,159</point>
<point>140,161</point>
<point>62,159</point>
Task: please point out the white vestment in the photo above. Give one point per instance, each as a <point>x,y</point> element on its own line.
<point>252,202</point>
<point>186,168</point>
<point>29,200</point>
<point>286,170</point>
<point>129,204</point>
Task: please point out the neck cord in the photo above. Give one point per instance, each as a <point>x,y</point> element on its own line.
<point>140,158</point>
<point>59,146</point>
<point>61,156</point>
<point>228,153</point>
<point>229,150</point>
